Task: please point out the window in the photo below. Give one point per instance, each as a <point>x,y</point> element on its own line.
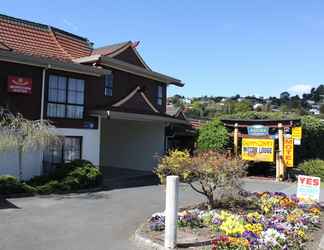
<point>68,150</point>
<point>109,85</point>
<point>65,97</point>
<point>160,95</point>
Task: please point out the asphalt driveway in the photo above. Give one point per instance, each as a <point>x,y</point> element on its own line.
<point>94,221</point>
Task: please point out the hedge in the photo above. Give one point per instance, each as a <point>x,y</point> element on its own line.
<point>79,174</point>
<point>313,168</point>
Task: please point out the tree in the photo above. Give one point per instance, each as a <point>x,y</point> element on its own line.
<point>242,106</point>
<point>18,133</point>
<point>208,173</point>
<point>213,136</point>
<point>284,95</point>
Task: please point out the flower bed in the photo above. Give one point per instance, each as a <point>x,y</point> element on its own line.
<point>275,221</point>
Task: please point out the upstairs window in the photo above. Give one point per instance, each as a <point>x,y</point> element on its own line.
<point>160,95</point>
<point>109,85</point>
<point>65,97</point>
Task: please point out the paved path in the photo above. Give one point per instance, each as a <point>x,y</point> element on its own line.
<point>95,221</point>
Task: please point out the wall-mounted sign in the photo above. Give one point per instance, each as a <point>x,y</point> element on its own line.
<point>21,85</point>
<point>296,133</point>
<point>258,149</point>
<point>89,125</point>
<point>258,130</point>
<point>288,154</point>
<point>309,187</point>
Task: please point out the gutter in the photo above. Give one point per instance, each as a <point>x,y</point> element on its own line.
<point>14,57</point>
<point>130,68</point>
<point>117,115</point>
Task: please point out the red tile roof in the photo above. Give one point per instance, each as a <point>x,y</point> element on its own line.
<point>110,49</point>
<point>114,48</point>
<point>41,40</point>
<point>25,37</point>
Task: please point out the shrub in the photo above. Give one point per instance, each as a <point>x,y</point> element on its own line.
<point>260,115</point>
<point>74,175</point>
<point>10,185</point>
<point>213,171</point>
<point>312,146</point>
<point>313,168</point>
<point>175,162</point>
<point>213,136</point>
<point>50,187</point>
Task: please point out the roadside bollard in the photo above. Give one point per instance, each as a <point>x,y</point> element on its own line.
<point>171,212</point>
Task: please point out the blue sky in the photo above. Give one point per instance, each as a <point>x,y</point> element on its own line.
<point>216,47</point>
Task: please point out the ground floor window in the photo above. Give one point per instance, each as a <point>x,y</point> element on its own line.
<point>68,150</point>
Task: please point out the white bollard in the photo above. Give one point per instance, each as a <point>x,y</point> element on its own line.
<point>171,212</point>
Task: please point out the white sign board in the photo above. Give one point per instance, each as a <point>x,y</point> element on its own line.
<point>309,187</point>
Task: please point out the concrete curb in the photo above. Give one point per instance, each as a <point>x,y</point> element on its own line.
<point>146,242</point>
<point>26,195</point>
<point>321,244</point>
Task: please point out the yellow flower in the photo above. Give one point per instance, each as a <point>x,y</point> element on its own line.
<point>232,224</point>
<point>241,242</point>
<point>315,211</point>
<point>254,228</point>
<point>301,233</point>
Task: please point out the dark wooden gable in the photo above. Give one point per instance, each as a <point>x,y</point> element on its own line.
<point>129,56</point>
<point>136,101</point>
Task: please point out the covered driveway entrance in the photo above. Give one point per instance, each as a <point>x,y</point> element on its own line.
<point>131,144</point>
<point>132,141</point>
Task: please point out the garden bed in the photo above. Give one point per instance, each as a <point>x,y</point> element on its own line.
<point>263,221</point>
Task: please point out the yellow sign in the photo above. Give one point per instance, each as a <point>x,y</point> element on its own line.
<point>288,154</point>
<point>296,133</point>
<point>258,149</point>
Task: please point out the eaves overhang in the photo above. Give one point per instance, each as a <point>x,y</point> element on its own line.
<point>130,68</point>
<point>117,115</point>
<point>49,63</point>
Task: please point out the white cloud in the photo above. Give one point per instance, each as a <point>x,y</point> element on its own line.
<point>300,89</point>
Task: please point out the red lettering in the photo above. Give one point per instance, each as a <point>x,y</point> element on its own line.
<point>316,182</point>
<point>302,180</point>
<point>309,181</point>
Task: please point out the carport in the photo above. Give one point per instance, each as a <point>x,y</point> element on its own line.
<point>132,141</point>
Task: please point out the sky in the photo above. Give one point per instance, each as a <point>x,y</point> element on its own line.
<point>217,48</point>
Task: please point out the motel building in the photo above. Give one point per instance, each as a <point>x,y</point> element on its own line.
<point>107,103</point>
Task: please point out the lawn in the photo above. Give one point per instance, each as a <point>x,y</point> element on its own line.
<point>322,184</point>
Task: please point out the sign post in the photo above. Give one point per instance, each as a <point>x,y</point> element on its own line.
<point>171,212</point>
<point>281,149</point>
<point>235,139</point>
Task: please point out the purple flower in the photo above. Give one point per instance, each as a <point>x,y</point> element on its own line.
<point>250,236</point>
<point>217,221</point>
<point>280,194</point>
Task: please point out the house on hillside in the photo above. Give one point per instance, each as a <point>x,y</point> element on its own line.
<point>107,103</point>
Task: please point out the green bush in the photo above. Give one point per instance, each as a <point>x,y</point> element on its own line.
<point>78,174</point>
<point>10,185</point>
<point>213,136</point>
<point>49,187</point>
<point>260,115</point>
<point>312,146</point>
<point>313,168</point>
